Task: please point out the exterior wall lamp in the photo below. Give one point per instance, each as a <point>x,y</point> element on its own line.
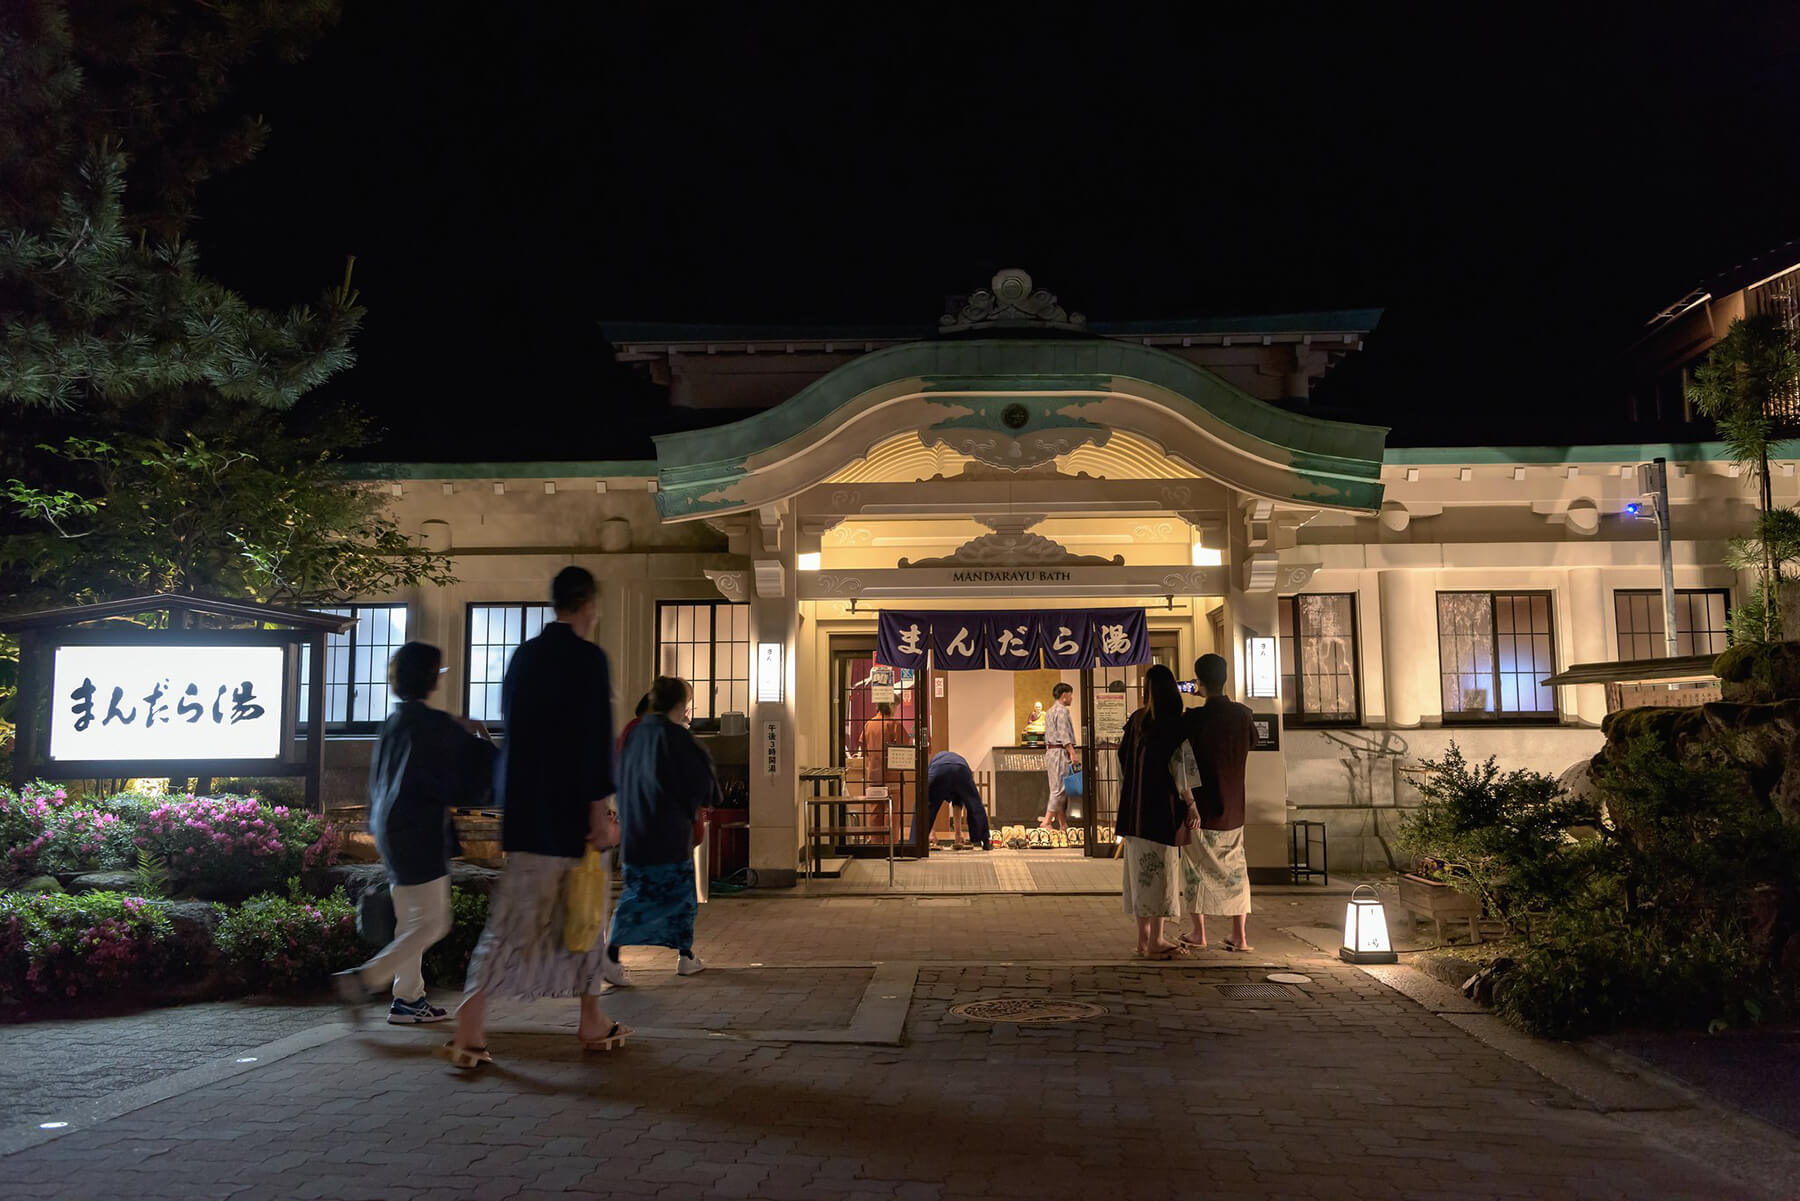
<point>771,678</point>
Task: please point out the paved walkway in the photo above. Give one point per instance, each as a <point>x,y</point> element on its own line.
<point>1000,870</point>
<point>820,1058</point>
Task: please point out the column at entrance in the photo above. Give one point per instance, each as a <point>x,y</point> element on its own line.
<point>775,825</point>
<point>1251,610</point>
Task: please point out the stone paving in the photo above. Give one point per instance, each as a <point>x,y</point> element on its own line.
<point>1341,1088</point>
<point>47,1064</point>
<point>999,870</point>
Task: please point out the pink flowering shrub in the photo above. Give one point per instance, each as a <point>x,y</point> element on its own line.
<point>42,832</point>
<point>291,943</point>
<point>55,946</point>
<point>228,847</point>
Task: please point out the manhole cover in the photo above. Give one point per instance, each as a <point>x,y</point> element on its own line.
<point>1288,978</point>
<point>1255,992</point>
<point>1023,1009</point>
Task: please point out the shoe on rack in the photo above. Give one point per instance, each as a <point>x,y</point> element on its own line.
<point>414,1013</point>
<point>690,965</point>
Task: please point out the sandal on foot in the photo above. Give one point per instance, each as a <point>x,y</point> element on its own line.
<point>1238,946</point>
<point>1191,944</point>
<point>465,1058</point>
<point>614,1039</point>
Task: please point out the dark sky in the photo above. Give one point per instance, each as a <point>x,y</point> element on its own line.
<point>1519,195</point>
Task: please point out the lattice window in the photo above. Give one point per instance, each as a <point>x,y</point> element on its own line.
<point>495,632</point>
<point>1318,657</point>
<point>357,697</point>
<point>1700,615</point>
<point>1494,651</point>
<point>706,643</point>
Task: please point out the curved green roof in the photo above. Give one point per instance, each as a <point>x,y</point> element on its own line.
<point>1334,463</point>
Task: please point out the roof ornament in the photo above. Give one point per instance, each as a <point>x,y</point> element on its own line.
<point>1011,303</point>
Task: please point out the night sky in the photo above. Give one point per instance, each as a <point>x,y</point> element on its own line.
<point>1519,196</point>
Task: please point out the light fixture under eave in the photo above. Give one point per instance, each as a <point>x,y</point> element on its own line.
<point>1206,556</point>
<point>1365,929</point>
<point>808,560</point>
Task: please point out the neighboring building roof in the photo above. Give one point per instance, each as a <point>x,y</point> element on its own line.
<point>1752,271</point>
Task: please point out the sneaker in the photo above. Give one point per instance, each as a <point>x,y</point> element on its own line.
<point>612,971</point>
<point>690,965</point>
<point>414,1013</point>
<point>352,993</point>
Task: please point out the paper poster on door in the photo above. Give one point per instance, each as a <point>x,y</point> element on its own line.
<point>902,758</point>
<point>881,685</point>
<point>1109,716</point>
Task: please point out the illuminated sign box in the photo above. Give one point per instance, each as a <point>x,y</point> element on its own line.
<point>771,679</point>
<point>1264,667</point>
<point>166,702</point>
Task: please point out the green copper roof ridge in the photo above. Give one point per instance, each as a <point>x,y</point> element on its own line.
<point>1604,452</point>
<point>579,468</point>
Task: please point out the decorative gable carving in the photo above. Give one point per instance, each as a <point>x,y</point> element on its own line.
<point>1011,301</point>
<point>1014,549</point>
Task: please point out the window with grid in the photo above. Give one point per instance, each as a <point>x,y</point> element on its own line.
<point>495,632</point>
<point>1318,657</point>
<point>357,697</point>
<point>1699,622</point>
<point>706,643</point>
<point>1494,649</point>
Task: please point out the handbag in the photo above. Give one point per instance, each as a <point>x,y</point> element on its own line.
<point>586,889</point>
<point>375,914</point>
<point>1072,782</point>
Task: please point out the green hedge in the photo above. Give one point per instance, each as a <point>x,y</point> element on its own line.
<point>287,944</point>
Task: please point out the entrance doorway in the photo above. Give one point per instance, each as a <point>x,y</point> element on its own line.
<point>886,723</point>
<point>881,738</point>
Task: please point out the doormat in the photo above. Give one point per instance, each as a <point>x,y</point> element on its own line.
<point>1027,1010</point>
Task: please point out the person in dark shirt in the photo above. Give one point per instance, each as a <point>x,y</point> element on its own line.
<point>949,779</point>
<point>426,763</point>
<point>1215,877</point>
<point>665,777</point>
<point>554,781</point>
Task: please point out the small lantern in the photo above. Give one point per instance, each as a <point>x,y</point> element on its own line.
<point>1365,929</point>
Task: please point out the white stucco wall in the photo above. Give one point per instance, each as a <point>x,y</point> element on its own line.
<point>1355,780</point>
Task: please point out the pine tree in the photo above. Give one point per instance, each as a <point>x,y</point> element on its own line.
<point>153,77</point>
<point>89,312</point>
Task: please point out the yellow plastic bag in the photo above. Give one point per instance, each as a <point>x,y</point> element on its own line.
<point>585,894</point>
